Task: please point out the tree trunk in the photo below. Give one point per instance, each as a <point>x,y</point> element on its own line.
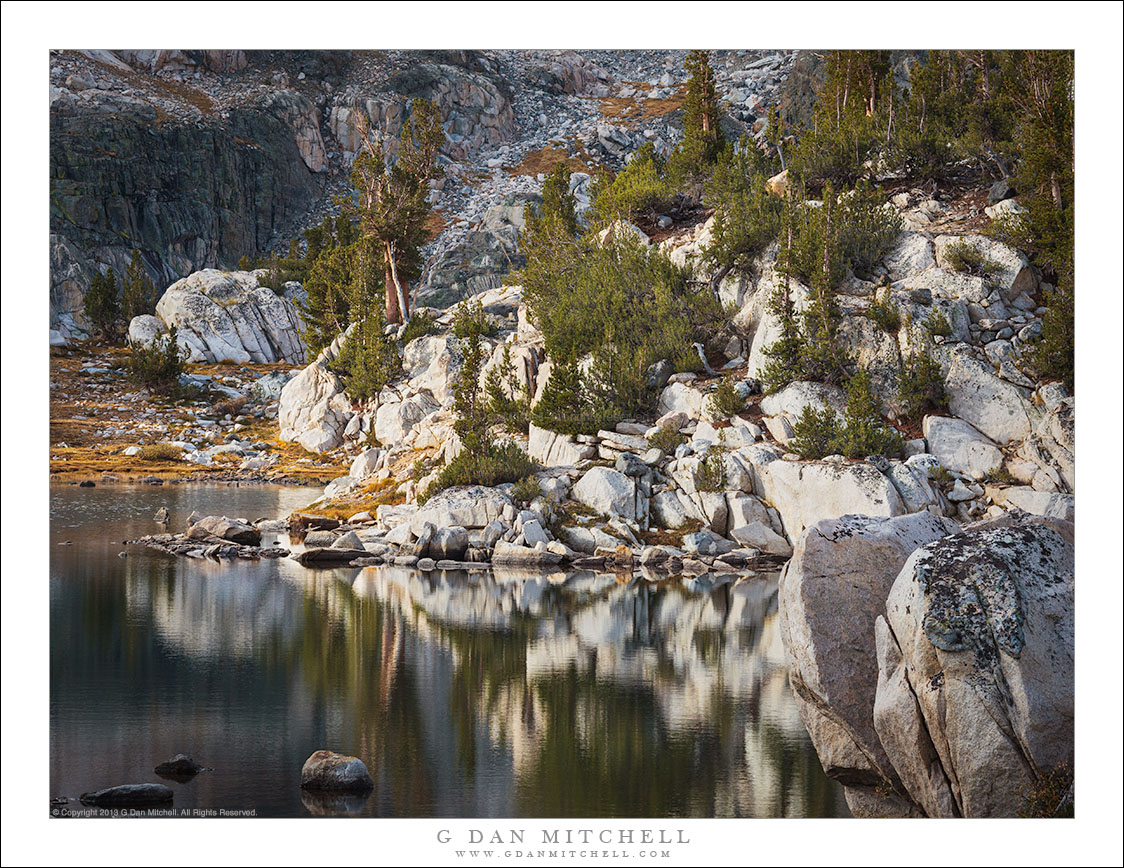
<point>400,296</point>
<point>392,314</point>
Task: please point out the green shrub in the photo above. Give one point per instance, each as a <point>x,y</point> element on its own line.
<point>864,432</point>
<point>746,217</point>
<point>421,324</point>
<point>1001,475</point>
<point>1052,355</point>
<point>567,404</point>
<point>666,439</point>
<point>921,388</point>
<point>885,312</point>
<point>505,394</point>
<point>816,433</point>
<point>638,191</point>
<point>526,490</point>
<point>711,473</point>
<point>491,466</point>
<point>963,257</point>
<point>138,296</point>
<point>860,433</point>
<point>618,308</point>
<point>725,401</point>
<point>159,365</point>
<point>937,324</point>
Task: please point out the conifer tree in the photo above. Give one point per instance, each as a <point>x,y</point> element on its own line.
<point>393,200</point>
<point>138,296</point>
<point>102,304</point>
<point>703,139</point>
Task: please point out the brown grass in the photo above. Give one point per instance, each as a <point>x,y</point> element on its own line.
<point>635,109</point>
<point>544,160</point>
<point>81,406</point>
<point>368,500</point>
<point>434,225</point>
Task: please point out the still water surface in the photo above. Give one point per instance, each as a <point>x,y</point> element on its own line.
<point>466,695</point>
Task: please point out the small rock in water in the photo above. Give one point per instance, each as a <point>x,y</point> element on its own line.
<point>181,767</point>
<point>161,516</point>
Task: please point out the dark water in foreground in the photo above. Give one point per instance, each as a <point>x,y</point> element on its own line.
<point>466,695</point>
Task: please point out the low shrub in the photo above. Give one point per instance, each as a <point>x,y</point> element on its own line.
<point>963,257</point>
<point>526,489</point>
<point>815,433</point>
<point>725,401</point>
<point>421,324</point>
<point>937,324</point>
<point>861,432</point>
<point>494,465</point>
<point>711,475</point>
<point>921,387</point>
<point>159,365</point>
<point>666,439</point>
<point>885,313</point>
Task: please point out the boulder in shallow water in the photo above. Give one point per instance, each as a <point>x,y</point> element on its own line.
<point>226,528</point>
<point>328,770</point>
<point>128,795</point>
<point>181,767</point>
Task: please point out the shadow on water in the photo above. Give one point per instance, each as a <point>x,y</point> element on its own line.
<point>466,694</point>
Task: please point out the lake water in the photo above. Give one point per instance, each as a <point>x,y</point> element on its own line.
<point>467,695</point>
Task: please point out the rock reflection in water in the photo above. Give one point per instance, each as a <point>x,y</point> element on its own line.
<point>466,694</point>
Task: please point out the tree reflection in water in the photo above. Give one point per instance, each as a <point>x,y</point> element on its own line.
<point>465,694</point>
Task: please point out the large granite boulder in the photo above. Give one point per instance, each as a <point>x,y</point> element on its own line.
<point>804,492</point>
<point>554,450</point>
<point>831,592</point>
<point>608,492</point>
<point>314,411</point>
<point>961,448</point>
<point>997,408</point>
<point>462,506</point>
<point>975,655</point>
<point>227,316</point>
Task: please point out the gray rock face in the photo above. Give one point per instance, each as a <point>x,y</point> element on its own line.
<point>123,177</point>
<point>449,543</point>
<point>507,553</point>
<point>394,421</point>
<point>328,770</point>
<point>1000,410</point>
<point>830,594</point>
<point>555,450</point>
<point>976,652</point>
<point>805,492</point>
<point>228,317</point>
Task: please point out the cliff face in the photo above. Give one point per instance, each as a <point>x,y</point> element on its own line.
<point>188,194</point>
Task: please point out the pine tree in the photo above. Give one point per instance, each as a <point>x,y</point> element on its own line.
<point>138,296</point>
<point>703,139</point>
<point>102,304</point>
<point>393,200</point>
